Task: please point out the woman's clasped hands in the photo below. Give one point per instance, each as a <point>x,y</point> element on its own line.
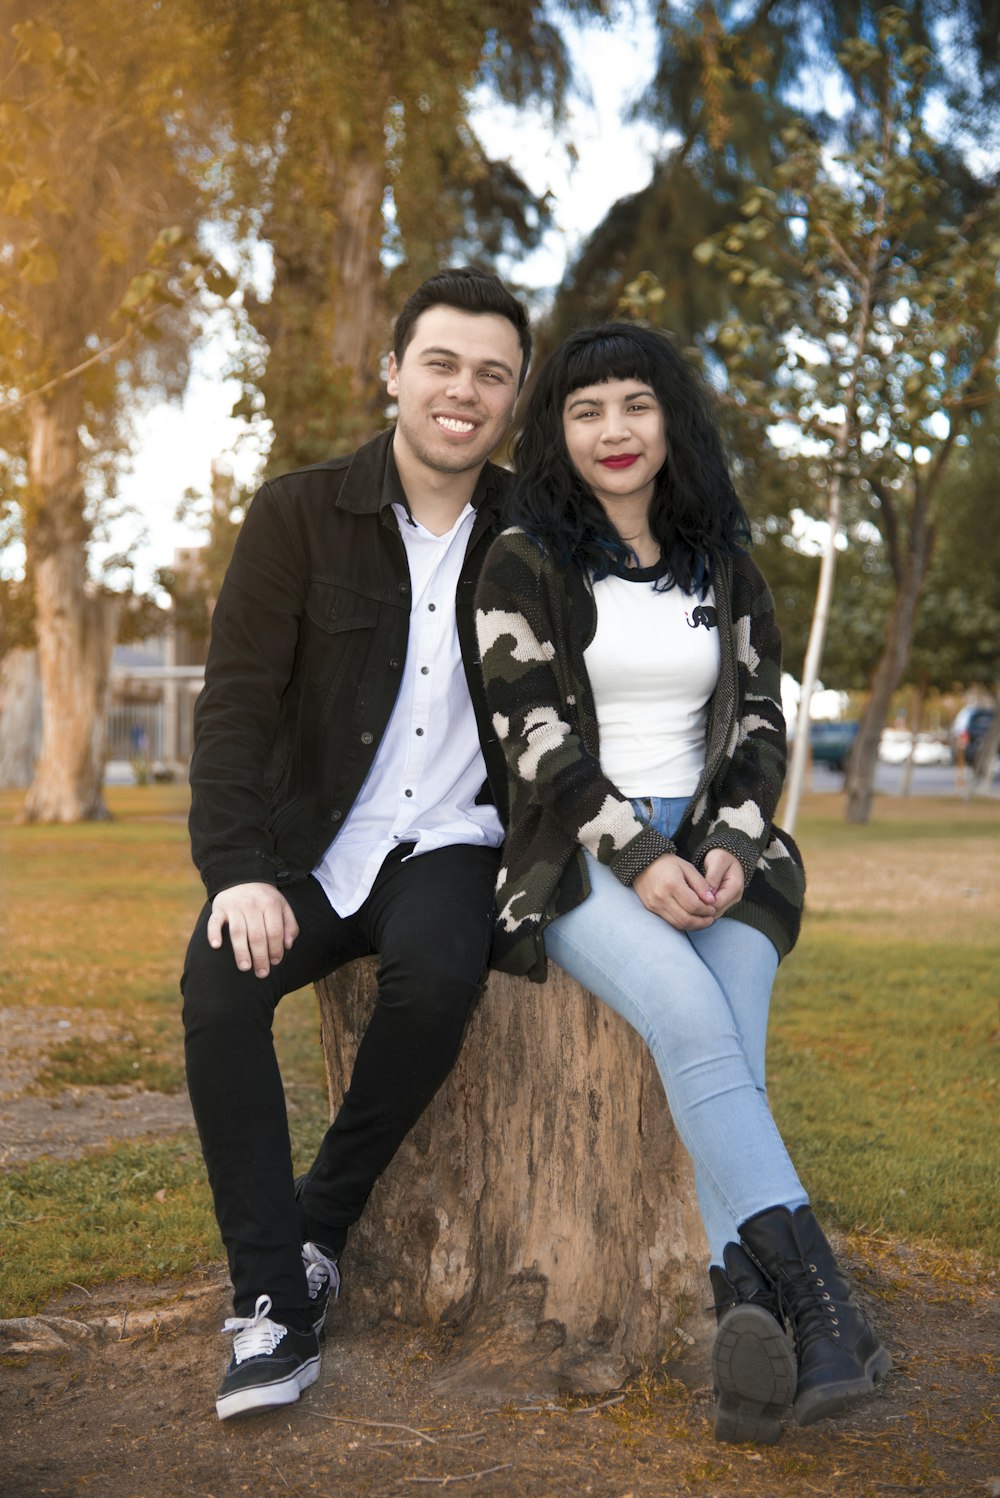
<point>685,898</point>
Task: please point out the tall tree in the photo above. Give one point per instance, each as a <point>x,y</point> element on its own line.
<point>729,77</point>
<point>874,273</point>
<point>362,157</point>
<point>105,176</point>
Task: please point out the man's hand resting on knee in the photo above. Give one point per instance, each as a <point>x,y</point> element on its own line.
<point>261,925</point>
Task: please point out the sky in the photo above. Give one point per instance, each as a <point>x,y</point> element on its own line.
<point>178,442</point>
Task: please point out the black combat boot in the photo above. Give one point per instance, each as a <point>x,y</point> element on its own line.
<point>839,1356</point>
<point>753,1365</point>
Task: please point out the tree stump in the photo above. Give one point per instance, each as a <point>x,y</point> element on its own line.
<point>543,1206</point>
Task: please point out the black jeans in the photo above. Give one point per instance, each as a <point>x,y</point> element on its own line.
<point>430,920</point>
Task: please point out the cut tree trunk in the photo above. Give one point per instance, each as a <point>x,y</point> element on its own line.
<point>543,1206</point>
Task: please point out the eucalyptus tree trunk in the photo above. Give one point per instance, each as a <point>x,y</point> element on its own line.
<point>20,717</point>
<point>75,631</point>
<point>321,322</point>
<point>542,1208</point>
<point>354,252</point>
<point>814,651</point>
<point>892,664</point>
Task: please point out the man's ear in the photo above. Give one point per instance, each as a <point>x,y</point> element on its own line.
<point>392,375</point>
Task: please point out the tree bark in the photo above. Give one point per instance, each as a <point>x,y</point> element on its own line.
<point>543,1207</point>
<point>814,650</point>
<point>891,667</point>
<point>321,385</point>
<point>354,253</point>
<point>20,718</point>
<point>75,631</point>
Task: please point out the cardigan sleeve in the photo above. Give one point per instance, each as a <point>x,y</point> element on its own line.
<point>521,623</point>
<point>748,789</point>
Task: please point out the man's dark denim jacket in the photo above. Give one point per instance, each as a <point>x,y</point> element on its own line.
<point>308,643</point>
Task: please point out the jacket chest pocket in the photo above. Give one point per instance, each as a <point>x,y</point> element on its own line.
<point>336,610</point>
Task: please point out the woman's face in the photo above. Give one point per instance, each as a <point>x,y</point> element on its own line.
<point>616,442</point>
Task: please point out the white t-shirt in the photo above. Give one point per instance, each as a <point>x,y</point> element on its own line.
<point>653,665</point>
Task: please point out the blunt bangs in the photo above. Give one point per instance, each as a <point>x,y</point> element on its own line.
<point>597,360</point>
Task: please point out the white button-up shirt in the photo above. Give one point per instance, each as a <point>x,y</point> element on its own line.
<point>429,768</point>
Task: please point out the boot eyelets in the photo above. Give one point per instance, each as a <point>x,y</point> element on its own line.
<point>820,1282</point>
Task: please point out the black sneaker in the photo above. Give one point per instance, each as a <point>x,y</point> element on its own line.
<point>323,1279</point>
<point>271,1363</point>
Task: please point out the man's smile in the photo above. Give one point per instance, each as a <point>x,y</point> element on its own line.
<point>456,424</point>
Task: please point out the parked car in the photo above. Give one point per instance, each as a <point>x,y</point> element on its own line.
<point>831,743</point>
<point>968,731</point>
<point>897,745</point>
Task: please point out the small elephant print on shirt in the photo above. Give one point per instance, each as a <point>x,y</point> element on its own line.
<point>703,614</point>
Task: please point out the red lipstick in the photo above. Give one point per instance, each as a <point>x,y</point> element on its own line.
<point>620,460</point>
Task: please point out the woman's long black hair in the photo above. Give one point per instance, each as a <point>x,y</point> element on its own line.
<point>696,515</point>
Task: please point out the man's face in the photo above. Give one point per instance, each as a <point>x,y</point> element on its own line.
<point>456,387</point>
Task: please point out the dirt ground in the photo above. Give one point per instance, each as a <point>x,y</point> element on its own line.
<point>111,1392</point>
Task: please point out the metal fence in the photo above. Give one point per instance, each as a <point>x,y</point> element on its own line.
<point>135,731</point>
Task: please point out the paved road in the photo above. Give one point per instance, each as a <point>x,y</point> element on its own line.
<point>928,780</point>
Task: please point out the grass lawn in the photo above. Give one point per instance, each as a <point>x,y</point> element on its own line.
<point>883,1060</point>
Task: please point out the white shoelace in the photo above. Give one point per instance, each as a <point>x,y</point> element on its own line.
<point>320,1271</point>
<point>254,1334</point>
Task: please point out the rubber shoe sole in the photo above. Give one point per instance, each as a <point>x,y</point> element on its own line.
<point>754,1376</point>
<point>834,1398</point>
<point>252,1397</point>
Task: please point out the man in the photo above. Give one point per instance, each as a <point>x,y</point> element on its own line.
<point>346,782</point>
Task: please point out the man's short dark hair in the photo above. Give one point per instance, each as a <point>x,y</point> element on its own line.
<point>467,289</point>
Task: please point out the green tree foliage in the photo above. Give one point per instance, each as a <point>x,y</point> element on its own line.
<point>729,78</point>
<point>957,639</point>
<point>874,274</point>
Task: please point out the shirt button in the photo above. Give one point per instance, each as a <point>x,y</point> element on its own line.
<point>407,793</point>
<point>420,733</point>
<point>367,738</point>
<point>424,670</point>
<point>431,607</point>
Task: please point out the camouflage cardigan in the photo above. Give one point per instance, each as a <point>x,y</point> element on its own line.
<point>534,620</point>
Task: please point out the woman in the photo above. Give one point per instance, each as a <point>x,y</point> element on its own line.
<point>632,667</point>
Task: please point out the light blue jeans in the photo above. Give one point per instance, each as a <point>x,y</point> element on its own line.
<point>699,999</point>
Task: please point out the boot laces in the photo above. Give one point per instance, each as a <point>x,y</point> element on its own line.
<point>255,1335</point>
<point>813,1309</point>
<point>321,1271</point>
